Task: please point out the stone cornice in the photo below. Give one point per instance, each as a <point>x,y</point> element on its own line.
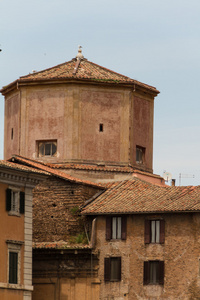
<point>21,178</point>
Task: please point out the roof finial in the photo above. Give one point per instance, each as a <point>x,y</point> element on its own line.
<point>79,55</point>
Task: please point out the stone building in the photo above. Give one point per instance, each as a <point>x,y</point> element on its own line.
<point>16,185</point>
<point>147,237</point>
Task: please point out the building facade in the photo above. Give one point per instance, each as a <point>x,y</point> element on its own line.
<point>16,185</point>
<point>147,237</point>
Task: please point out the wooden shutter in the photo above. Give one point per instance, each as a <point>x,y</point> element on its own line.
<point>162,231</point>
<point>108,228</point>
<point>107,269</point>
<point>119,268</point>
<point>147,232</point>
<point>146,273</point>
<point>161,272</point>
<point>8,199</point>
<point>124,222</point>
<point>22,203</point>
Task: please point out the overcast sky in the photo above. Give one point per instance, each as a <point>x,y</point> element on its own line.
<point>156,42</point>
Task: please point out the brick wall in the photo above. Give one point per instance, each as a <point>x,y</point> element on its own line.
<point>55,210</point>
<point>180,253</point>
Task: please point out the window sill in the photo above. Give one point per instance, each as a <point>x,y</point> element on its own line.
<point>13,286</point>
<point>14,213</point>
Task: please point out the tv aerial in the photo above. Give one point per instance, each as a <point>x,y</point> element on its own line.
<point>167,176</point>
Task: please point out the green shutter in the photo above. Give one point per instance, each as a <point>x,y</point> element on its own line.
<point>8,199</point>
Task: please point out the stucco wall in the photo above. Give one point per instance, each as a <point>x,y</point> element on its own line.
<point>12,125</point>
<point>72,114</point>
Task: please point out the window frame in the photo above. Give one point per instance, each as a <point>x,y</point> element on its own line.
<point>14,248</point>
<point>109,265</point>
<point>148,236</point>
<point>15,201</point>
<point>140,153</point>
<point>44,143</point>
<point>109,228</point>
<point>157,267</point>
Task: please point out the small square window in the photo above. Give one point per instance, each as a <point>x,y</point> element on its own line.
<point>154,272</point>
<point>47,148</point>
<point>140,155</point>
<point>100,127</point>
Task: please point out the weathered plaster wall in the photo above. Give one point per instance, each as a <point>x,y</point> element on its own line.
<point>72,114</point>
<point>100,108</point>
<point>12,125</point>
<point>142,129</point>
<point>180,252</point>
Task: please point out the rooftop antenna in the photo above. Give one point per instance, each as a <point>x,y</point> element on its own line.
<point>184,176</point>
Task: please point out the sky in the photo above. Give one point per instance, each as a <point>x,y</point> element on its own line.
<point>155,42</point>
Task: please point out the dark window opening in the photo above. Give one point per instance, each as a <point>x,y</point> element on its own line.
<point>112,269</point>
<point>154,272</point>
<point>12,134</point>
<point>140,155</point>
<point>47,148</point>
<point>13,267</point>
<point>100,127</point>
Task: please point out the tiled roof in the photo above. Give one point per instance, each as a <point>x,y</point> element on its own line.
<point>16,166</point>
<point>59,245</point>
<point>43,167</point>
<point>85,71</point>
<point>138,196</point>
<point>103,168</point>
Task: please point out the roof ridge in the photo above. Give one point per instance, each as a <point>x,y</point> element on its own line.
<point>48,69</point>
<point>57,173</point>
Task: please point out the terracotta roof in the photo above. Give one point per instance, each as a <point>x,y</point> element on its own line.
<point>103,168</point>
<point>138,196</point>
<point>43,167</point>
<point>85,71</point>
<point>16,166</point>
<point>59,245</point>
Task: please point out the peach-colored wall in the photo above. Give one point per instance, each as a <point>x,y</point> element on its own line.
<point>143,128</point>
<point>12,228</point>
<point>100,108</point>
<point>12,119</point>
<point>45,119</point>
<point>71,114</point>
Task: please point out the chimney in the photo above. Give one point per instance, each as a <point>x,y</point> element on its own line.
<point>173,182</point>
